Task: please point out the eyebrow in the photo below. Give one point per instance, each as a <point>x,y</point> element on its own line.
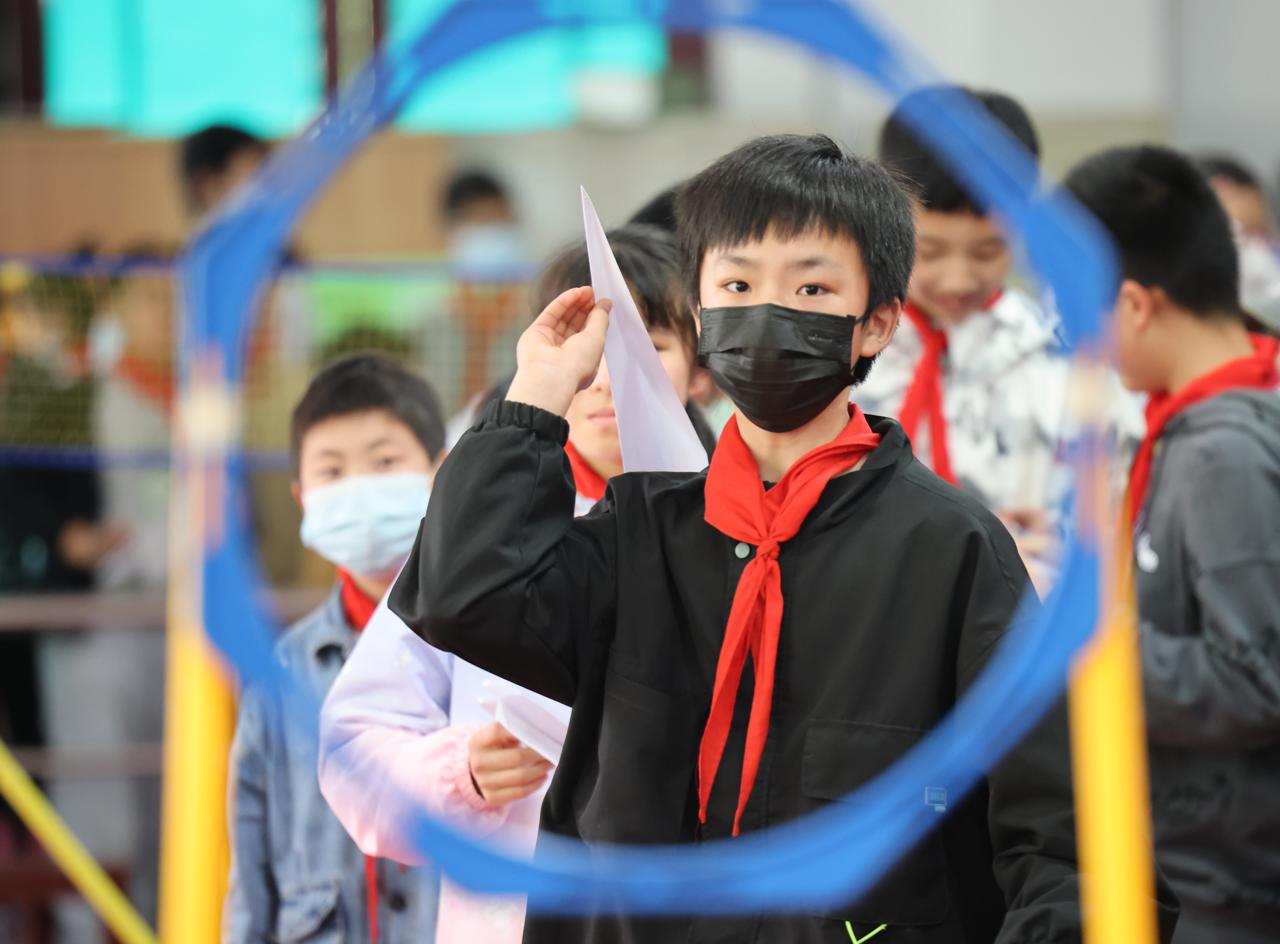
<point>380,441</point>
<point>809,262</point>
<point>812,262</point>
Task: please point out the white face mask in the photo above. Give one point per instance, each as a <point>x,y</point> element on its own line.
<point>106,343</point>
<point>483,251</point>
<point>366,524</point>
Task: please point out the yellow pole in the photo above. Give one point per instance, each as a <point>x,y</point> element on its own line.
<point>1109,751</point>
<point>65,850</point>
<point>199,721</point>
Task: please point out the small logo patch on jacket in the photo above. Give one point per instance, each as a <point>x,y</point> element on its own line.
<point>1148,559</point>
<point>936,797</point>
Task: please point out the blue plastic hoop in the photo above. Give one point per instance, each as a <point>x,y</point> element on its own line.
<point>804,864</point>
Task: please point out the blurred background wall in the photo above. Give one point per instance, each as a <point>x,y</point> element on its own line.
<point>86,147</point>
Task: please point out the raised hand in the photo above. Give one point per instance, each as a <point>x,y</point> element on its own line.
<point>503,770</point>
<point>559,354</point>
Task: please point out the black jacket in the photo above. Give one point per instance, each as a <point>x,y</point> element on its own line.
<point>1207,555</point>
<point>897,589</point>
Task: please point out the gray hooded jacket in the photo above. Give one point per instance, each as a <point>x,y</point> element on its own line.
<point>1207,554</point>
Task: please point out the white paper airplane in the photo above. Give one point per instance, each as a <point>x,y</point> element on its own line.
<point>653,427</point>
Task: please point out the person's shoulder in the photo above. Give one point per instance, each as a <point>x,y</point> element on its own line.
<point>1028,325</point>
<point>657,486</point>
<point>294,651</point>
<point>301,640</point>
<point>1017,306</point>
<point>1236,431</point>
<point>946,510</point>
<point>936,496</point>
<point>634,496</point>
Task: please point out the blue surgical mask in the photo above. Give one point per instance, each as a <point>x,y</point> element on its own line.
<point>366,524</point>
<point>482,252</point>
<point>106,343</point>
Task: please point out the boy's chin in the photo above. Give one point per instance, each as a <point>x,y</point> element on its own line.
<point>838,406</point>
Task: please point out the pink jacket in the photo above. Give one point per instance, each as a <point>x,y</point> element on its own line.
<point>394,735</point>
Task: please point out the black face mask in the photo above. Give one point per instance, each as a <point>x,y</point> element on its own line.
<point>780,366</point>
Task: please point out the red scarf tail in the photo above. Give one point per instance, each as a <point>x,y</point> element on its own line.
<point>924,397</point>
<point>729,667</point>
<point>938,447</point>
<point>765,658</point>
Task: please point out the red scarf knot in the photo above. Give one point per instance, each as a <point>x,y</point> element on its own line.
<point>738,507</point>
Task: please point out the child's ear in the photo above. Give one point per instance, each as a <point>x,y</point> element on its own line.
<point>1136,305</point>
<point>295,487</point>
<point>702,389</point>
<point>878,329</point>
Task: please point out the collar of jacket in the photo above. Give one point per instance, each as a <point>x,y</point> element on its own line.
<point>328,629</point>
<point>889,458</point>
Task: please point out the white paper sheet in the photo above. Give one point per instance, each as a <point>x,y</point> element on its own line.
<point>529,723</point>
<point>654,429</point>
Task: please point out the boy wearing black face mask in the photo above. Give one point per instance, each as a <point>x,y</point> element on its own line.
<point>642,614</point>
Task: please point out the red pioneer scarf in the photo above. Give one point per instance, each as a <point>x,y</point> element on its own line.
<point>740,508</point>
<point>357,606</point>
<point>586,480</point>
<point>924,396</point>
<point>1258,370</point>
<point>154,382</point>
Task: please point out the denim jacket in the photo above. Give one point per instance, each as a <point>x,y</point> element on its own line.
<point>296,876</point>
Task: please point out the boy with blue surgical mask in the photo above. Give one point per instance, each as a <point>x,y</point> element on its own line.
<point>366,439</point>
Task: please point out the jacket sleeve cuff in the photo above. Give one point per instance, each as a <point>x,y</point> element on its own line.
<point>458,773</point>
<point>462,799</point>
<point>506,413</point>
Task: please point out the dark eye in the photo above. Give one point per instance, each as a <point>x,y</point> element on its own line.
<point>812,290</point>
<point>385,462</point>
<point>737,286</point>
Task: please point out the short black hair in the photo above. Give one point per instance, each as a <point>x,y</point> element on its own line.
<point>1168,226</point>
<point>470,185</point>
<point>912,159</point>
<point>1229,168</point>
<point>649,262</point>
<point>794,184</point>
<point>660,211</point>
<point>212,149</point>
<point>369,382</point>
